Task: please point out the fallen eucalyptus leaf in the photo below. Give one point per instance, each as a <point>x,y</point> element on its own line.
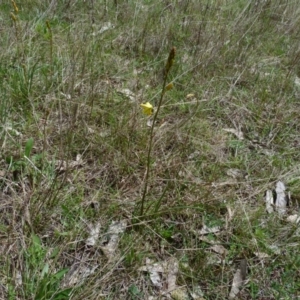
<point>281,199</point>
<point>269,202</point>
<point>236,284</point>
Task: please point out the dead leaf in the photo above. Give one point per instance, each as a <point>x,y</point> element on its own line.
<point>275,249</point>
<point>269,202</point>
<point>150,122</point>
<point>194,155</point>
<point>172,274</point>
<point>155,278</point>
<point>78,273</point>
<point>213,259</point>
<point>155,270</point>
<point>13,131</point>
<point>208,240</point>
<point>167,270</point>
<point>106,26</point>
<point>235,173</point>
<point>197,293</point>
<point>293,219</point>
<point>238,133</point>
<point>281,199</point>
<point>230,214</point>
<point>62,165</point>
<point>207,230</point>
<point>94,234</point>
<point>188,96</point>
<point>180,294</point>
<point>128,94</point>
<point>297,81</point>
<point>261,255</point>
<point>113,232</point>
<point>236,284</point>
<point>219,249</point>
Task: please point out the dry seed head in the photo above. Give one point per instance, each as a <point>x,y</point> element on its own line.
<point>48,25</point>
<point>16,9</point>
<point>170,60</point>
<point>14,18</point>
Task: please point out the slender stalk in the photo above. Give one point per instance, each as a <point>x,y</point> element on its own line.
<point>50,45</point>
<point>167,68</point>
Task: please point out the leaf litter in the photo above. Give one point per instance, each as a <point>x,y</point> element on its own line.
<point>163,275</point>
<point>238,279</point>
<point>278,200</point>
<point>94,234</point>
<point>113,236</point>
<point>238,133</point>
<point>281,198</point>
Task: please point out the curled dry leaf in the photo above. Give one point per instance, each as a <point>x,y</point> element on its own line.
<point>207,240</point>
<point>128,94</point>
<point>230,214</point>
<point>62,165</point>
<point>293,219</point>
<point>155,270</point>
<point>114,230</point>
<point>197,293</point>
<point>235,173</point>
<point>155,278</point>
<point>219,249</point>
<point>238,133</point>
<point>172,274</point>
<point>166,269</point>
<point>207,230</point>
<point>194,155</point>
<point>78,274</point>
<point>269,202</point>
<point>106,26</point>
<point>261,255</point>
<point>180,294</point>
<point>188,96</point>
<point>281,198</point>
<point>213,259</point>
<point>297,81</point>
<point>94,234</point>
<point>13,131</point>
<point>236,284</point>
<point>150,122</point>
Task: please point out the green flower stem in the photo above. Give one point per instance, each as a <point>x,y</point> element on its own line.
<point>150,143</point>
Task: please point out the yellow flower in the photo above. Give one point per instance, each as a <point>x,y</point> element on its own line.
<point>147,108</point>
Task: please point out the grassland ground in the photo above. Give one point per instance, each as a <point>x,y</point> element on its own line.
<point>74,143</point>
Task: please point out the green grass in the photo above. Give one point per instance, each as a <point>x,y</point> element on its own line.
<point>64,68</point>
